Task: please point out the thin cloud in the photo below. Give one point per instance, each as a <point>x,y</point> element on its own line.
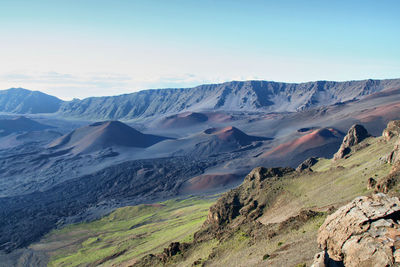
<point>68,86</point>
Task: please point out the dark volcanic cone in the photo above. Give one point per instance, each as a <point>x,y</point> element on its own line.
<point>102,135</point>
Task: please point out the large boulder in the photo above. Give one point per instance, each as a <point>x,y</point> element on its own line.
<point>354,136</point>
<point>394,156</point>
<point>365,232</point>
<point>391,181</point>
<point>392,130</point>
<point>307,164</point>
<point>247,200</point>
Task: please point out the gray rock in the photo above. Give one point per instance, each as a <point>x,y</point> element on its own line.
<point>364,232</point>
<point>319,260</point>
<point>355,135</point>
<point>392,130</point>
<point>307,164</point>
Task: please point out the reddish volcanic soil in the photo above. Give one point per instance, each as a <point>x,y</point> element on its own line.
<point>310,139</point>
<point>208,182</point>
<point>387,112</point>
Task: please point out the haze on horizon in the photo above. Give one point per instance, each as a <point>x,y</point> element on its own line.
<point>92,48</point>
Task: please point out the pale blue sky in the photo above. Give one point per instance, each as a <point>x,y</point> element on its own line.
<point>97,47</point>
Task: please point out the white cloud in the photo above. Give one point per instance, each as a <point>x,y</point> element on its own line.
<point>68,86</point>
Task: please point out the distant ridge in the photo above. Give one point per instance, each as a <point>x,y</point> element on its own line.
<point>22,101</point>
<point>102,135</point>
<point>263,96</point>
<point>229,96</point>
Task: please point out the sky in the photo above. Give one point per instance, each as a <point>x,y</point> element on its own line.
<point>81,48</point>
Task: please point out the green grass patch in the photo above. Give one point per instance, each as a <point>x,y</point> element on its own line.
<point>340,181</point>
<point>131,231</point>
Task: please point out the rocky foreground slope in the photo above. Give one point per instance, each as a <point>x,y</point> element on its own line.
<point>274,216</point>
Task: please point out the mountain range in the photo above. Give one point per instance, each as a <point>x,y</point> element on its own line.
<point>263,96</point>
<point>77,161</point>
<point>19,100</point>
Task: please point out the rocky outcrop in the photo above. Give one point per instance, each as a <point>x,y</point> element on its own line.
<point>162,259</point>
<point>394,156</point>
<point>173,249</point>
<point>244,200</point>
<point>392,130</point>
<point>365,232</point>
<point>389,182</point>
<point>307,164</point>
<point>355,135</point>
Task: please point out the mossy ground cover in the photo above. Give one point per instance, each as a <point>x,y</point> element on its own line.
<point>126,234</point>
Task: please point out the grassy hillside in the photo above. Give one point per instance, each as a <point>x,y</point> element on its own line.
<point>283,233</point>
<point>126,234</point>
<point>284,238</point>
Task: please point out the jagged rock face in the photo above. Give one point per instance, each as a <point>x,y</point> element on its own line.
<point>173,249</point>
<point>260,173</point>
<point>394,156</point>
<point>392,130</point>
<point>392,179</point>
<point>243,201</point>
<point>355,135</point>
<point>390,182</point>
<point>365,232</point>
<point>307,164</point>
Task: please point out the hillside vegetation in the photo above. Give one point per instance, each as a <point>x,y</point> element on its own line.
<point>271,219</point>
<point>283,231</point>
<point>126,234</point>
